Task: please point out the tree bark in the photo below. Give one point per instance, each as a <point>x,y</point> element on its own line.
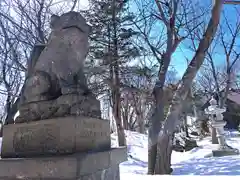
<point>164,152</point>
<point>186,125</point>
<point>163,158</point>
<point>116,81</point>
<point>125,123</point>
<point>158,115</point>
<point>155,123</point>
<point>1,129</point>
<point>141,124</point>
<point>125,116</point>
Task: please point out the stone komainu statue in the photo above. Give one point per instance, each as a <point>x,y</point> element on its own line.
<point>56,85</point>
<point>59,68</point>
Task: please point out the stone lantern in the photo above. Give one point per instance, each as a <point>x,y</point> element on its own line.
<point>216,114</point>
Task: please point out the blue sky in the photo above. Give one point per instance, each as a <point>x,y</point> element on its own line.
<point>179,57</point>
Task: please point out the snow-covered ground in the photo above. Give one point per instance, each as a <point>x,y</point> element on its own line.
<point>186,163</point>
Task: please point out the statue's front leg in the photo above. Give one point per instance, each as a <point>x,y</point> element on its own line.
<point>37,87</point>
<point>73,84</point>
<point>36,91</point>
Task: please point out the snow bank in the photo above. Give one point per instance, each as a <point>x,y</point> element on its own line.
<point>186,163</point>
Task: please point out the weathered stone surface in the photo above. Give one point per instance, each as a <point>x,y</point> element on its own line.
<point>65,105</point>
<point>83,166</point>
<point>60,65</point>
<point>58,73</point>
<point>55,136</point>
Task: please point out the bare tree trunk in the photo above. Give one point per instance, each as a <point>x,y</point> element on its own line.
<point>120,131</point>
<point>117,112</point>
<point>158,115</point>
<point>125,114</point>
<point>186,125</point>
<point>125,123</point>
<point>164,152</point>
<point>155,124</point>
<point>116,84</point>
<point>165,144</point>
<point>140,122</point>
<point>1,129</point>
<point>158,93</point>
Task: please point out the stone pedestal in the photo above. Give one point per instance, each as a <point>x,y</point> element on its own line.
<point>55,137</point>
<point>63,148</point>
<point>80,166</point>
<point>218,124</point>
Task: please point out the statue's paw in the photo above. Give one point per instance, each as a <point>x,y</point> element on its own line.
<point>37,87</point>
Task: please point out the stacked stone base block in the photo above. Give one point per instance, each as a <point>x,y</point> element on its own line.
<point>82,166</point>
<point>68,148</point>
<point>57,136</point>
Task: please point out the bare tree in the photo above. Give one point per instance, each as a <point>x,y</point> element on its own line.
<point>231,52</point>
<point>165,137</point>
<point>136,93</point>
<point>220,77</point>
<point>170,19</point>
